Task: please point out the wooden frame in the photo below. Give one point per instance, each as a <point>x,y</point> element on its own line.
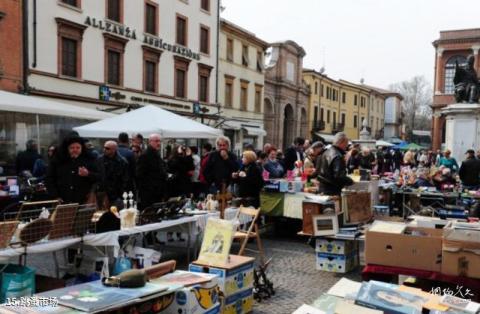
<point>244,85</point>
<point>251,232</point>
<point>185,19</point>
<point>204,27</point>
<point>229,80</point>
<point>155,5</point>
<point>32,205</point>
<point>181,64</point>
<point>116,44</point>
<point>151,55</point>
<point>325,225</point>
<point>62,219</point>
<point>120,13</point>
<point>7,229</point>
<point>204,71</point>
<point>73,31</point>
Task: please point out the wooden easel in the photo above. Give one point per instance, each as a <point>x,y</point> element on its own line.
<point>223,197</point>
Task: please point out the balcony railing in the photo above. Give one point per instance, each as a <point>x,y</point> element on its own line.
<point>318,126</point>
<point>338,127</point>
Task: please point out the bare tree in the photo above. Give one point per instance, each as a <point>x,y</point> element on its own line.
<point>417,98</point>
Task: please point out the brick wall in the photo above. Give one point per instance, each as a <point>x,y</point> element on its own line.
<point>11,45</point>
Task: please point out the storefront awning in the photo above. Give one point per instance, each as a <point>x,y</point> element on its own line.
<point>232,125</point>
<point>254,131</point>
<point>327,137</point>
<point>37,105</point>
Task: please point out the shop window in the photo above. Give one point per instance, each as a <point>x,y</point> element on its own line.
<point>205,5</point>
<point>70,37</point>
<point>260,61</point>
<point>245,55</point>
<point>151,18</point>
<point>258,98</point>
<point>244,95</point>
<point>449,87</point>
<point>228,92</point>
<point>114,51</point>
<point>73,3</point>
<point>69,57</point>
<point>230,49</point>
<point>204,39</point>
<point>181,73</point>
<point>151,59</point>
<point>203,82</point>
<point>115,10</point>
<point>181,30</point>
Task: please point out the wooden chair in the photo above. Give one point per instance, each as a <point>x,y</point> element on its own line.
<point>249,231</point>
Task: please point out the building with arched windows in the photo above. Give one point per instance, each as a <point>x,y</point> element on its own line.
<point>452,47</point>
<point>286,95</point>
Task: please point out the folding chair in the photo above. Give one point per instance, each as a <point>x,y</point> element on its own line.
<point>250,232</point>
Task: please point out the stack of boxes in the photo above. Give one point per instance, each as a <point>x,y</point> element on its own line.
<point>235,282</point>
<point>338,256</point>
<point>461,250</point>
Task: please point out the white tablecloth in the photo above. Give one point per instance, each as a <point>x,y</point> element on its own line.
<point>111,238</point>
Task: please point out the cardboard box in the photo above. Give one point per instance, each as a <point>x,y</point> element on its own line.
<point>239,303</point>
<point>341,247</point>
<point>461,252</point>
<point>276,186</point>
<point>421,250</point>
<point>179,302</point>
<point>196,299</point>
<point>336,263</point>
<point>235,276</point>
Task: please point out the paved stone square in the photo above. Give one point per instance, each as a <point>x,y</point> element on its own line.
<point>292,272</point>
<point>294,276</point>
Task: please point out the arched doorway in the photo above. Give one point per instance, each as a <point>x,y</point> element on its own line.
<point>288,126</point>
<point>303,123</point>
<point>268,120</point>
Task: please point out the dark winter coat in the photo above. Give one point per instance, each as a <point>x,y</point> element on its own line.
<point>180,183</point>
<point>218,170</point>
<point>151,178</point>
<point>63,181</point>
<point>250,185</point>
<point>115,176</point>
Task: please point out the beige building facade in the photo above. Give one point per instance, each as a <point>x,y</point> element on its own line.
<point>341,106</point>
<point>241,81</point>
<point>286,95</point>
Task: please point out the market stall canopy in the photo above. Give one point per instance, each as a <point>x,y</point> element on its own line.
<point>147,120</point>
<point>383,143</point>
<point>400,145</point>
<point>412,146</point>
<point>326,138</point>
<point>38,105</point>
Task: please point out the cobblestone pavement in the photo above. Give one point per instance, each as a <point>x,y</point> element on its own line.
<point>292,272</point>
<point>294,276</point>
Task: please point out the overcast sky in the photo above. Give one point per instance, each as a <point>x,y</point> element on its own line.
<point>383,41</point>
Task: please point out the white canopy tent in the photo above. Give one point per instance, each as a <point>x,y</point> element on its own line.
<point>147,120</point>
<point>383,143</point>
<point>37,105</point>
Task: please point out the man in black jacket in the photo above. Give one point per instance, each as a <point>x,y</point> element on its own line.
<point>333,172</point>
<point>294,153</point>
<point>72,173</point>
<point>26,159</point>
<point>115,173</point>
<point>151,174</point>
<point>220,165</point>
<point>470,171</point>
<point>125,151</point>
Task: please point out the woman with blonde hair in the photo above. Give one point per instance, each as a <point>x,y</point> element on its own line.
<point>249,180</point>
<point>409,159</point>
<point>448,161</point>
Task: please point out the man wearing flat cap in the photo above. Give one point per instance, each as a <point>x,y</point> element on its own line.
<point>470,171</point>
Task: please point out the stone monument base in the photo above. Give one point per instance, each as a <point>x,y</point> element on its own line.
<point>462,128</point>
